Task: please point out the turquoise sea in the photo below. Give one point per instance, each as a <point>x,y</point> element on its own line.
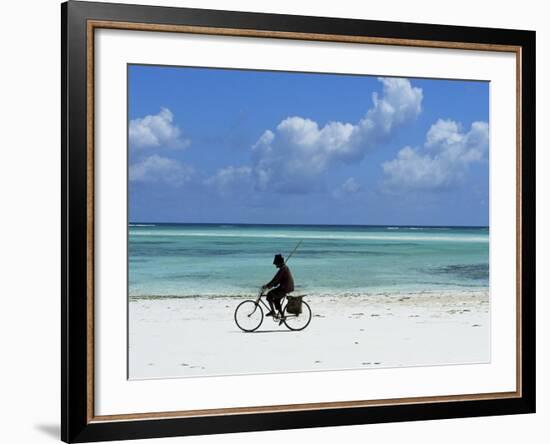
<point>222,259</point>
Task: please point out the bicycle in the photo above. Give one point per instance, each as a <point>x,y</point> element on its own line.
<point>249,314</point>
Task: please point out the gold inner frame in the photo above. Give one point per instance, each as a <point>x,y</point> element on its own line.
<point>95,24</point>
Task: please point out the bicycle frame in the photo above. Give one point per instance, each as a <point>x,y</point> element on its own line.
<point>267,307</point>
<point>259,299</point>
<point>283,317</point>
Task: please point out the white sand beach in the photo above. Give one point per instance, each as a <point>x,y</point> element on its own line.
<point>182,337</point>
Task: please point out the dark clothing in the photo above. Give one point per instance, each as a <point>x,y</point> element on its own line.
<point>283,280</point>
<point>274,298</point>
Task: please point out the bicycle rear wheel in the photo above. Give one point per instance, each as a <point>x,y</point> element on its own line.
<point>298,322</point>
<point>249,315</point>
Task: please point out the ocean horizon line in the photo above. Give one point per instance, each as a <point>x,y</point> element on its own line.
<point>130,223</point>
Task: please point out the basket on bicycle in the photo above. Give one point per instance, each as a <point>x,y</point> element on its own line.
<point>294,305</point>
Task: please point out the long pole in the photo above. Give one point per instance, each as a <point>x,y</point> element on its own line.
<point>290,255</point>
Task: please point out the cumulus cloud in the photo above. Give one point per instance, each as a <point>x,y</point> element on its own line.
<point>442,161</point>
<point>294,156</point>
<point>348,188</point>
<point>228,178</point>
<point>156,131</point>
<point>161,170</point>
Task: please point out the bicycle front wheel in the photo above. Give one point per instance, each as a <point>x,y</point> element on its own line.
<point>298,322</point>
<point>249,315</point>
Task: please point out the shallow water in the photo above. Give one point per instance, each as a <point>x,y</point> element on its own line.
<point>210,259</point>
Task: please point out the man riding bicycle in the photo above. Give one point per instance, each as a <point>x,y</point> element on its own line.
<point>281,284</point>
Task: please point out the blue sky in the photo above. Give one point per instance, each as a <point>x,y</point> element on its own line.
<point>217,145</point>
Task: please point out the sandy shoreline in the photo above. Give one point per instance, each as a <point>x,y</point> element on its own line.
<point>181,337</point>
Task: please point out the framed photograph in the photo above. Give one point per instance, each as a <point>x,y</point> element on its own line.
<point>275,221</point>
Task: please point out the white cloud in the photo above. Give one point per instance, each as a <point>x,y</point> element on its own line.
<point>348,188</point>
<point>442,161</point>
<point>160,169</point>
<point>229,178</point>
<point>155,131</point>
<point>294,156</point>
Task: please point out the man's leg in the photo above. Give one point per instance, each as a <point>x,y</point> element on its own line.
<point>270,298</point>
<point>277,301</point>
<point>274,298</point>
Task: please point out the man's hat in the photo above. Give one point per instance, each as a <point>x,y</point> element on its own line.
<point>278,259</point>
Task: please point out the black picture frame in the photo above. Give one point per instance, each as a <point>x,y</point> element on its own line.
<point>76,423</point>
